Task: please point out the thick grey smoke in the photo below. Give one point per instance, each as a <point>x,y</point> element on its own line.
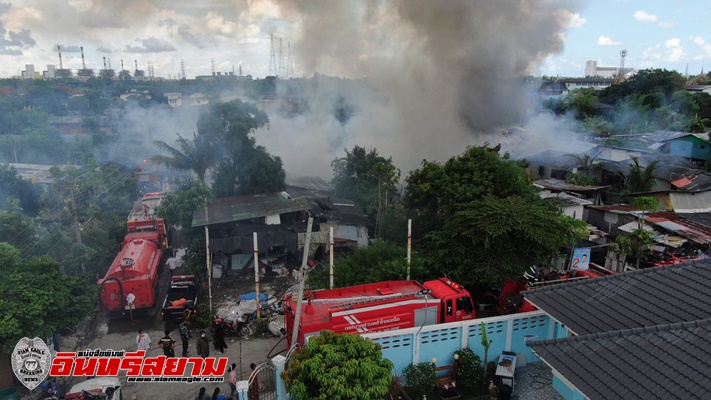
<point>447,75</point>
<point>436,76</point>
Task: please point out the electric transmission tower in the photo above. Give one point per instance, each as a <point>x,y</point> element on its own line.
<point>281,58</point>
<point>289,63</point>
<point>621,72</point>
<point>272,58</point>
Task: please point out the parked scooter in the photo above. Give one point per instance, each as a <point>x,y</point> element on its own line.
<point>239,327</point>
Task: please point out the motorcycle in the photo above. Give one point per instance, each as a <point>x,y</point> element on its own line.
<point>239,327</point>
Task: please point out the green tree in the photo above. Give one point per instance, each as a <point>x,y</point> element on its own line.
<point>12,186</point>
<point>645,82</point>
<point>368,179</point>
<point>639,240</point>
<point>584,163</point>
<point>639,179</point>
<point>583,103</point>
<point>338,367</point>
<point>32,307</point>
<point>475,209</point>
<point>494,239</point>
<point>197,155</point>
<point>357,267</point>
<point>178,207</point>
<point>244,167</point>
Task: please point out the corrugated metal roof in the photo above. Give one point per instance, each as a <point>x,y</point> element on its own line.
<point>230,209</point>
<point>647,297</point>
<point>557,184</point>
<point>668,361</point>
<point>687,228</point>
<point>663,136</point>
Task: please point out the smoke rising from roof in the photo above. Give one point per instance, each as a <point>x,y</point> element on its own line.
<point>448,74</point>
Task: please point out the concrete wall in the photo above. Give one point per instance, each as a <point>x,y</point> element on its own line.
<point>416,345</point>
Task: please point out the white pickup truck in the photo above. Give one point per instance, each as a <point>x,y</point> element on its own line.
<point>96,388</point>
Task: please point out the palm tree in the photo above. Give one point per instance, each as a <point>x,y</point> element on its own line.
<point>197,155</point>
<point>640,179</point>
<point>584,163</point>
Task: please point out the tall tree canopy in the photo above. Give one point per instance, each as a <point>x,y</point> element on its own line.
<point>12,186</point>
<point>369,179</point>
<point>481,220</point>
<point>244,167</point>
<point>338,367</point>
<point>36,299</point>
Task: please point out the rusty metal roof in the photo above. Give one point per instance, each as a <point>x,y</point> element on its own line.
<point>230,209</point>
<point>687,228</point>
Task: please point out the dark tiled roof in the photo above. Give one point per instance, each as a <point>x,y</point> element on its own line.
<point>654,296</point>
<point>657,362</point>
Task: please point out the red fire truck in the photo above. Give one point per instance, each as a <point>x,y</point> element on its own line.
<point>379,306</point>
<point>133,275</point>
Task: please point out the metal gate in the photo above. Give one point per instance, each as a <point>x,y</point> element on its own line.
<point>291,353</point>
<point>262,382</point>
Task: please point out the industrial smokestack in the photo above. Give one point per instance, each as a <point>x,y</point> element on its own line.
<point>121,65</point>
<point>136,63</point>
<point>104,62</point>
<point>59,50</point>
<point>83,64</point>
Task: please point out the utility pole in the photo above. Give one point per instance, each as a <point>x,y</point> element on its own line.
<point>409,246</point>
<point>256,272</point>
<point>330,241</point>
<point>208,258</point>
<point>299,300</point>
<point>76,214</point>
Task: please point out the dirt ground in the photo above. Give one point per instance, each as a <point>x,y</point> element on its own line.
<point>118,332</point>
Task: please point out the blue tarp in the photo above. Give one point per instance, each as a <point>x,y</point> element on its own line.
<point>253,296</point>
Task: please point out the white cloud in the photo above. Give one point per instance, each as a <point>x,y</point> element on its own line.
<point>704,45</point>
<point>675,49</point>
<point>644,16</point>
<point>607,41</point>
<point>570,20</point>
<point>666,24</point>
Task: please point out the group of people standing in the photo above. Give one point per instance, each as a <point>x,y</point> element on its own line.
<point>168,345</point>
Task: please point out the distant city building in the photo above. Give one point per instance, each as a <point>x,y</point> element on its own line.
<point>49,73</point>
<point>178,100</point>
<point>29,72</point>
<point>563,86</point>
<point>594,70</point>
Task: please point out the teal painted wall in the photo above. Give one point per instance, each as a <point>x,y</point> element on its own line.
<point>691,147</point>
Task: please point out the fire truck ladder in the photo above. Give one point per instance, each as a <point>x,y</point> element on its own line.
<point>348,306</point>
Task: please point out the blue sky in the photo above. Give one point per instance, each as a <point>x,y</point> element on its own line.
<point>656,34</point>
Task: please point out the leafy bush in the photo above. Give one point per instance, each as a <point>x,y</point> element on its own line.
<point>337,367</point>
<point>420,377</point>
<point>470,370</point>
<point>261,327</point>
